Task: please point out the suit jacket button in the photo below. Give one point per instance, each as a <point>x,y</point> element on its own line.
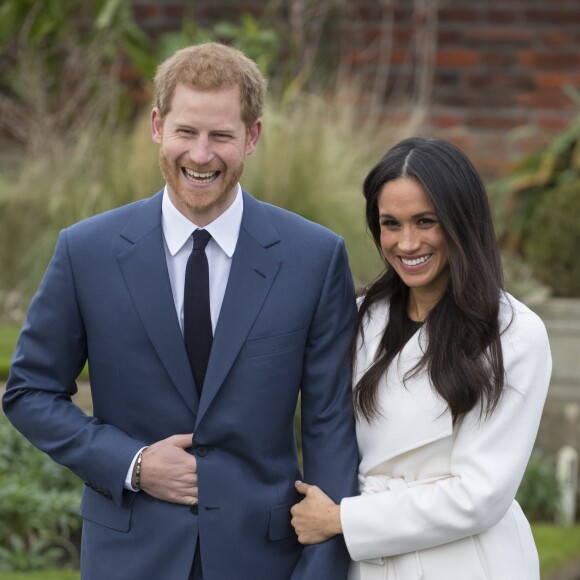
<point>202,451</point>
<point>194,509</point>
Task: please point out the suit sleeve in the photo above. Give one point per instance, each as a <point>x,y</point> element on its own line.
<point>49,356</point>
<point>328,435</point>
<point>487,463</point>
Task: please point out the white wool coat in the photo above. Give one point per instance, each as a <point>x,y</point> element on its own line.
<point>437,501</point>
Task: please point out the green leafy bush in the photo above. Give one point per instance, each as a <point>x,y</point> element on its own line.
<point>537,210</point>
<point>39,521</point>
<point>539,492</point>
<point>553,238</point>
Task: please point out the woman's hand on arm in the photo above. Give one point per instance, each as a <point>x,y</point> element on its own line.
<point>316,518</point>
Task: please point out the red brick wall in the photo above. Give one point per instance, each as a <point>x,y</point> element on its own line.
<point>501,65</point>
<point>498,64</point>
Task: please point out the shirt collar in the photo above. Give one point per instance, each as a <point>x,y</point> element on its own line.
<point>225,229</point>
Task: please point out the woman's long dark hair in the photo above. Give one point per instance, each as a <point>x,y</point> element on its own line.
<point>463,357</point>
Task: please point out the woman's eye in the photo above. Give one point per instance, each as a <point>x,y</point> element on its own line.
<point>426,222</point>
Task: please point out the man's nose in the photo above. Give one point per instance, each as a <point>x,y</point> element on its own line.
<point>200,151</point>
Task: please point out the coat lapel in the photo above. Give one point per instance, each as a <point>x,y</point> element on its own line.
<point>251,276</point>
<point>401,403</point>
<point>144,268</point>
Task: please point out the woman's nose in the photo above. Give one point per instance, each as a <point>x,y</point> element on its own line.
<point>409,241</point>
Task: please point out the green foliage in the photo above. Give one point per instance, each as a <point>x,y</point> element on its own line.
<point>45,575</point>
<point>48,22</point>
<point>553,237</point>
<point>260,43</point>
<point>539,492</point>
<point>8,338</point>
<point>96,172</point>
<point>520,280</point>
<point>537,207</point>
<point>39,523</point>
<point>256,39</point>
<point>61,64</point>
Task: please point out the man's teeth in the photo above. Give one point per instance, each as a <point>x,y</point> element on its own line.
<point>205,175</point>
<point>416,261</point>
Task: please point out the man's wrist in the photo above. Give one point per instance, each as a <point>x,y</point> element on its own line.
<point>336,524</point>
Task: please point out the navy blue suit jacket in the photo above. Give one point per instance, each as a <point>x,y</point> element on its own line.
<point>285,327</point>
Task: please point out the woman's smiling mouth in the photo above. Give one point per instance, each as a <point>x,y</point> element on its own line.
<point>415,261</point>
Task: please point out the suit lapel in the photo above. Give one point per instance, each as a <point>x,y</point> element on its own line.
<point>144,268</point>
<point>251,276</point>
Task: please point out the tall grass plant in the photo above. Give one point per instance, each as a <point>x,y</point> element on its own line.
<point>314,154</point>
<point>101,169</point>
<point>316,150</point>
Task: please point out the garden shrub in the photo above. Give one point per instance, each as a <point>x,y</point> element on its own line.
<point>539,491</point>
<point>39,521</point>
<point>537,206</point>
<point>553,240</point>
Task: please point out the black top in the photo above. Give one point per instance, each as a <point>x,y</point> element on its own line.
<point>410,327</point>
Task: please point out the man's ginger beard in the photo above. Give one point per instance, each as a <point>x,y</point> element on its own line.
<point>203,200</point>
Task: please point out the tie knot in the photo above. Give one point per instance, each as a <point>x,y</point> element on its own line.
<point>200,239</point>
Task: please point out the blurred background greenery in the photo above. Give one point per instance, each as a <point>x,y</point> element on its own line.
<point>74,131</point>
<point>74,136</point>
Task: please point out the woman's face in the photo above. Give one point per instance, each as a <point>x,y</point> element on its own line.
<point>411,238</point>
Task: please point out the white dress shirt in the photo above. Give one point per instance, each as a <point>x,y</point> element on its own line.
<point>177,232</point>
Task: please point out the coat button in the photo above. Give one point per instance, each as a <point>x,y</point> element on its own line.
<point>202,451</point>
<point>194,509</point>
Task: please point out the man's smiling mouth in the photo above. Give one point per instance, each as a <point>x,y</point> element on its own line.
<point>200,176</point>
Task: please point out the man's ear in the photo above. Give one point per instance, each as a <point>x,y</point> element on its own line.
<point>253,136</point>
<point>156,126</point>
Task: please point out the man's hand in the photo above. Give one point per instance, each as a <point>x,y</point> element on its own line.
<point>316,518</point>
<point>168,472</point>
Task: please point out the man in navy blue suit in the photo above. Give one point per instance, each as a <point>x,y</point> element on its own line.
<point>189,478</point>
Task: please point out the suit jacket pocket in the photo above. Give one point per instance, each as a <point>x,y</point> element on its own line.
<point>280,526</point>
<point>100,510</point>
<point>275,344</point>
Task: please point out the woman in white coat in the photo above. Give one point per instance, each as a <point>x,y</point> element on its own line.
<point>451,375</point>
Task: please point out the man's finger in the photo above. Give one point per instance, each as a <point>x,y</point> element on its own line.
<point>183,441</point>
<point>301,487</point>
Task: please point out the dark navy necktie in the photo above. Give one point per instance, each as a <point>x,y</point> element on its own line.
<point>197,330</point>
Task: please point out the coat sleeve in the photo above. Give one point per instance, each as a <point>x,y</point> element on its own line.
<point>328,436</point>
<point>49,356</point>
<point>487,463</point>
